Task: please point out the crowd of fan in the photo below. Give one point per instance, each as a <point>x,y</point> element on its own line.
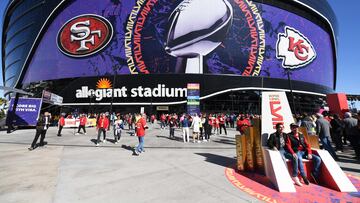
<point>330,128</point>
<point>340,130</point>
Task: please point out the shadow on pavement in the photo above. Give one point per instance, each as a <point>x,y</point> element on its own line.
<point>217,159</point>
<point>179,139</point>
<point>224,141</point>
<point>129,148</point>
<point>230,162</point>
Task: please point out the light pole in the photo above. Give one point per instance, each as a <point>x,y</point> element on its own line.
<point>90,98</point>
<point>112,94</point>
<point>291,91</point>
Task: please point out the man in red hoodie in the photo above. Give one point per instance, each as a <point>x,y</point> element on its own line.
<point>140,132</point>
<point>61,124</point>
<point>102,126</point>
<point>297,145</point>
<point>83,121</point>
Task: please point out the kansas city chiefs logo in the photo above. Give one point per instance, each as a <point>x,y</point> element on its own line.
<point>294,49</point>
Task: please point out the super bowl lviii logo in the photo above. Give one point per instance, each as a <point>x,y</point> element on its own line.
<point>294,49</point>
<point>84,35</point>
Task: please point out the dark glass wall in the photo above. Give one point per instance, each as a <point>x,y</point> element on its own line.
<point>22,23</point>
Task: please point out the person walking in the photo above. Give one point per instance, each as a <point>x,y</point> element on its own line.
<point>172,126</point>
<point>162,121</point>
<point>61,124</point>
<point>185,128</point>
<point>130,121</point>
<point>83,121</point>
<point>140,133</point>
<point>352,133</point>
<point>202,128</point>
<point>196,128</point>
<point>323,130</point>
<point>222,119</point>
<point>337,130</point>
<point>217,125</point>
<point>42,125</point>
<point>118,127</point>
<point>207,128</point>
<point>102,126</point>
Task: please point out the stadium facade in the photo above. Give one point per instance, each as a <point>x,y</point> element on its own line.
<point>145,52</point>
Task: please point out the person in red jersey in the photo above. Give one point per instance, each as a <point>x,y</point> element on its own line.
<point>152,119</point>
<point>140,132</point>
<point>102,126</point>
<point>162,121</point>
<point>83,121</point>
<point>61,124</point>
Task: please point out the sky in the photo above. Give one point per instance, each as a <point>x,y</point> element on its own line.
<point>348,68</point>
<point>348,73</point>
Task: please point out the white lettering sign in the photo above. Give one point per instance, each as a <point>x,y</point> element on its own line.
<point>160,91</point>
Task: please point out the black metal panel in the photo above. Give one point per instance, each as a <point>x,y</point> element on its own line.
<point>210,85</point>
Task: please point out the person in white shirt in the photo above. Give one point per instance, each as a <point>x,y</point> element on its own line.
<point>196,127</point>
<point>118,127</point>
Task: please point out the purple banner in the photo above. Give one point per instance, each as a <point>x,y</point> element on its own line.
<point>240,37</point>
<point>26,113</point>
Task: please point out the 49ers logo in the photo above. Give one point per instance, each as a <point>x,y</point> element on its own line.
<point>84,35</point>
<point>294,49</point>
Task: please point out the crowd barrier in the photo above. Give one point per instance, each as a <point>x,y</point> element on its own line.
<point>72,122</point>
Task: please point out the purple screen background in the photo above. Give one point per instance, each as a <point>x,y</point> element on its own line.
<point>48,63</point>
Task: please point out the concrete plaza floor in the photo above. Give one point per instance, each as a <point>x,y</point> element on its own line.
<point>71,169</point>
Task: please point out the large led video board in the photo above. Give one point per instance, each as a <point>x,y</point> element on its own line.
<point>90,38</point>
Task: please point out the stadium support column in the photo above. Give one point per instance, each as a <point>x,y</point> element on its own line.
<point>232,95</point>
<point>291,91</point>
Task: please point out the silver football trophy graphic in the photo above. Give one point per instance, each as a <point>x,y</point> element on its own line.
<point>197,27</point>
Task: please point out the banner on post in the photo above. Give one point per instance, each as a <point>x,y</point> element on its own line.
<point>193,98</point>
<point>51,98</point>
<point>26,112</point>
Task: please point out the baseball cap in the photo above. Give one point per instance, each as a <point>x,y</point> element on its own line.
<point>293,125</point>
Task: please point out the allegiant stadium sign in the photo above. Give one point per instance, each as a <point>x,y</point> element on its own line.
<point>104,90</point>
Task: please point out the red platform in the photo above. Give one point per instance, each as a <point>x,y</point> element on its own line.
<point>261,188</point>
